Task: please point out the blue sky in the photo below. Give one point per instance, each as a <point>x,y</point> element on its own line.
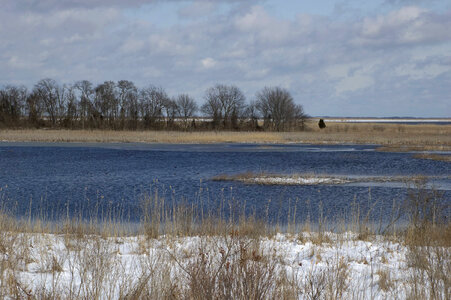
<point>337,57</point>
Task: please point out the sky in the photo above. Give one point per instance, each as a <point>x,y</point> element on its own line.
<point>378,58</point>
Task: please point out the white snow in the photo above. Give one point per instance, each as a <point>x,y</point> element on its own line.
<point>294,180</point>
<point>64,263</point>
<point>375,120</point>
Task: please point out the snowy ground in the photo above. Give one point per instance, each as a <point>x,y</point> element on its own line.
<point>386,120</point>
<point>294,180</point>
<point>308,179</point>
<point>110,268</point>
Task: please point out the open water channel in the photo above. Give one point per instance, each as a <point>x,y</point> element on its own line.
<point>52,180</point>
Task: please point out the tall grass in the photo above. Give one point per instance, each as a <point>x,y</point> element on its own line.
<point>183,250</point>
<point>393,136</point>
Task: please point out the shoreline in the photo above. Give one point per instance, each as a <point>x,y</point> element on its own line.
<point>388,136</point>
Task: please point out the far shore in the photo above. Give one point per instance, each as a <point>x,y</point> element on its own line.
<point>391,137</point>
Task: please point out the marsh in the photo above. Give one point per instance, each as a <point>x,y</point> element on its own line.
<point>53,179</point>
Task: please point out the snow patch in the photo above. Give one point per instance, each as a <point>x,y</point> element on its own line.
<point>296,180</point>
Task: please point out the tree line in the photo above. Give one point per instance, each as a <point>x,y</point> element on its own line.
<point>122,106</point>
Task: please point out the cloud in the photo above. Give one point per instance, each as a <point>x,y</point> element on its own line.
<point>406,26</point>
<point>44,6</point>
<point>54,5</point>
<point>198,9</point>
<point>408,2</point>
<point>371,65</point>
<point>208,63</point>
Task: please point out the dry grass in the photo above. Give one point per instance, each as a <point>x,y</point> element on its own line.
<point>438,157</point>
<point>235,263</point>
<point>109,136</point>
<point>418,136</point>
<point>424,136</point>
<point>225,258</point>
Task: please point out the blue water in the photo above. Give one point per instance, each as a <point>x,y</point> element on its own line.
<point>53,180</point>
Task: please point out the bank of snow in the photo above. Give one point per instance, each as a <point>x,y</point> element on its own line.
<point>313,179</point>
<point>275,179</point>
<point>110,268</point>
<point>295,180</point>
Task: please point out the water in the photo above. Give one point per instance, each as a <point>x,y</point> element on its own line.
<point>68,178</point>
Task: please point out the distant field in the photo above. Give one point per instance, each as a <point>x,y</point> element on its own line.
<point>391,136</point>
<point>442,121</point>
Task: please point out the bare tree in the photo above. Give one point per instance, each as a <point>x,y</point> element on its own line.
<point>12,104</point>
<point>278,109</point>
<point>299,117</point>
<point>212,107</point>
<point>252,114</point>
<point>71,111</point>
<point>151,102</point>
<point>53,97</point>
<point>170,111</point>
<point>106,102</point>
<point>128,101</point>
<point>186,108</point>
<point>121,105</point>
<point>224,104</point>
<point>34,109</point>
<point>86,100</point>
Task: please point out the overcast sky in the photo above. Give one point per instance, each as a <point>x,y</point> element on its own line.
<point>337,57</point>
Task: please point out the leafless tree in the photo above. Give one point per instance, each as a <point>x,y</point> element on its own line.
<point>123,106</point>
<point>53,97</point>
<point>106,102</point>
<point>86,99</point>
<point>252,114</point>
<point>12,104</point>
<point>186,108</point>
<point>212,108</point>
<point>151,102</point>
<point>71,110</point>
<point>128,101</point>
<point>34,109</point>
<point>170,112</point>
<point>224,104</point>
<point>278,109</point>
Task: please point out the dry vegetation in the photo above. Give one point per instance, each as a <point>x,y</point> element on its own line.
<point>171,254</point>
<point>431,156</point>
<point>394,137</point>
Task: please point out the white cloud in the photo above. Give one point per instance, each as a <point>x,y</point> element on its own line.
<point>406,26</point>
<point>132,45</point>
<point>418,72</point>
<point>354,83</point>
<point>208,63</point>
<point>198,9</point>
<point>327,63</point>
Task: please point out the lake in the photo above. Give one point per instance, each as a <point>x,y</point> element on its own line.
<point>52,180</point>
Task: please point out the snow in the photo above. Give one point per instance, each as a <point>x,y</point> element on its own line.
<point>63,263</point>
<point>383,120</point>
<point>295,180</point>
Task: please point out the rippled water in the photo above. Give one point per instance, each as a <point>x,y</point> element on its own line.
<point>56,179</point>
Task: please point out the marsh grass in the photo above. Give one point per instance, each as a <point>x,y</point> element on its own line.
<point>431,156</point>
<point>181,251</point>
<point>393,136</point>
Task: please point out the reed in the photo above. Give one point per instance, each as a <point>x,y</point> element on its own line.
<point>438,157</point>
<point>392,136</point>
<point>181,251</point>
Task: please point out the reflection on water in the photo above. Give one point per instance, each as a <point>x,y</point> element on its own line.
<point>89,177</point>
